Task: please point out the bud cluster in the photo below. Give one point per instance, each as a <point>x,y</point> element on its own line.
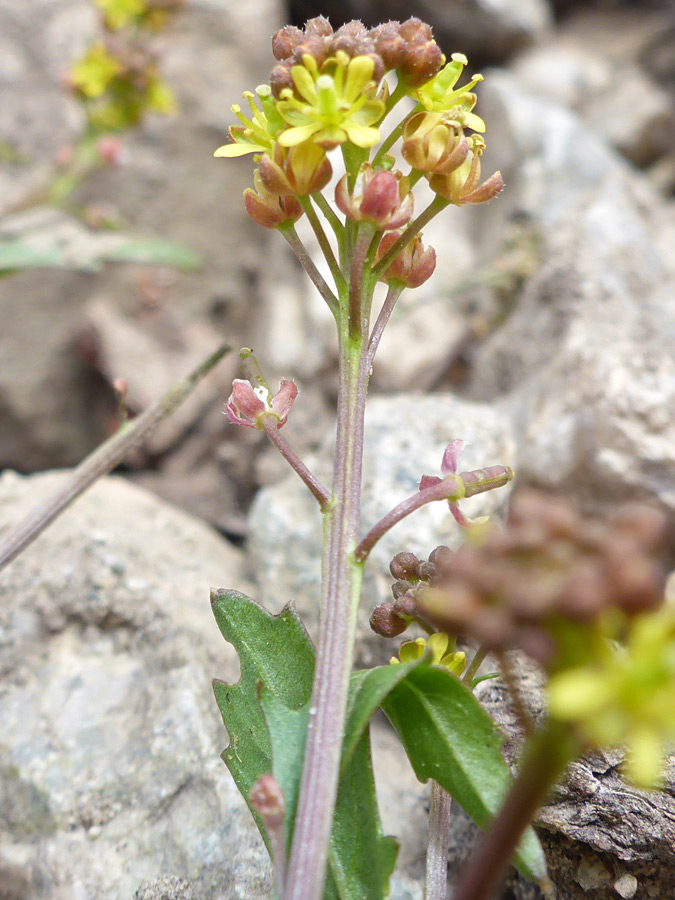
<point>549,573</point>
<point>407,47</point>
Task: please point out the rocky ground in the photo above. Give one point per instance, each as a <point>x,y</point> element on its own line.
<point>545,338</point>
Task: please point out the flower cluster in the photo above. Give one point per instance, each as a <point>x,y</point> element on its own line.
<point>327,90</point>
<point>117,79</point>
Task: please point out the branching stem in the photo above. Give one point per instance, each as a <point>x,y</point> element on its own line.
<point>309,266</point>
<point>271,429</point>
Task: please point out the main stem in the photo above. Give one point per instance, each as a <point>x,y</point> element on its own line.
<point>341,588</point>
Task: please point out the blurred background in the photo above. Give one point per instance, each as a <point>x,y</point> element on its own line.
<point>580,101</point>
<point>545,339</point>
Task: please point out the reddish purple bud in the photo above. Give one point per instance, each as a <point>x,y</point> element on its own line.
<point>404,566</point>
<point>379,198</point>
<point>280,78</point>
<point>385,622</point>
<point>422,62</point>
<point>319,27</point>
<point>413,266</point>
<point>414,30</point>
<point>285,41</point>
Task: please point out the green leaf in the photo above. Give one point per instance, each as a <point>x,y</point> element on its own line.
<point>367,690</point>
<point>449,737</point>
<point>273,650</point>
<point>266,716</point>
<point>361,860</point>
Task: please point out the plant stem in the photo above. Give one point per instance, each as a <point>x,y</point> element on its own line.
<point>381,322</point>
<point>436,875</point>
<point>104,459</point>
<point>440,817</point>
<point>309,266</point>
<point>271,428</point>
<point>340,593</point>
<point>324,243</point>
<point>437,204</point>
<point>449,488</point>
<point>547,755</point>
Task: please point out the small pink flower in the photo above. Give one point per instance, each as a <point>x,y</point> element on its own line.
<point>449,466</point>
<point>248,405</point>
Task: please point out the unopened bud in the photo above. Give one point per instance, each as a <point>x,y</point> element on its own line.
<point>281,78</point>
<point>267,799</point>
<point>319,27</point>
<point>385,622</point>
<point>285,41</point>
<point>413,266</point>
<point>404,566</point>
<point>422,62</point>
<point>414,30</point>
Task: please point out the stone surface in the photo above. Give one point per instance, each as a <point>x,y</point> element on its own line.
<point>109,734</point>
<point>170,186</point>
<point>405,438</point>
<point>585,358</point>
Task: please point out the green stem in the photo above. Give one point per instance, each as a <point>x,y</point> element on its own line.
<point>307,263</point>
<point>437,204</point>
<point>440,816</point>
<point>324,243</point>
<point>329,213</point>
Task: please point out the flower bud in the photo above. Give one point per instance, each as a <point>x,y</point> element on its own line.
<point>318,27</point>
<point>379,198</point>
<point>315,47</point>
<point>385,622</point>
<point>399,588</point>
<point>422,62</point>
<point>285,41</point>
<point>404,566</point>
<point>413,266</point>
<point>414,30</point>
<point>433,142</point>
<point>298,171</point>
<point>269,209</point>
<point>389,45</point>
<point>281,78</point>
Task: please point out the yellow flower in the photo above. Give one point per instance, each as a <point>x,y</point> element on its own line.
<point>440,93</point>
<point>442,649</point>
<point>334,104</point>
<point>257,134</point>
<point>626,696</point>
<point>94,72</point>
<point>120,13</point>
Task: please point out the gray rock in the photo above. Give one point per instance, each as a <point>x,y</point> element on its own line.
<point>492,29</point>
<point>109,733</point>
<point>585,358</point>
<point>405,438</point>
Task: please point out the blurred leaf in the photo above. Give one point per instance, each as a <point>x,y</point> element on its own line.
<point>47,238</point>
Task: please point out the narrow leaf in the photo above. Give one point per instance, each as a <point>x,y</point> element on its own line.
<point>449,737</point>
